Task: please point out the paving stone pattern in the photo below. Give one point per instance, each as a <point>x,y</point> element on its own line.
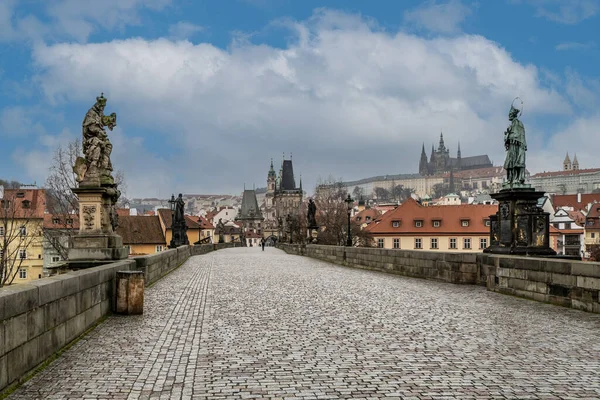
<point>244,324</point>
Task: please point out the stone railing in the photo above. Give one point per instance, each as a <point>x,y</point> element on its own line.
<point>568,283</point>
<point>563,282</point>
<point>39,318</point>
<point>446,267</point>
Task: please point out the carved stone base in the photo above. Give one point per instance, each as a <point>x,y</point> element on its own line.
<point>520,226</point>
<point>96,240</point>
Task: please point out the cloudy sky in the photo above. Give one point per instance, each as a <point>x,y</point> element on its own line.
<point>207,92</point>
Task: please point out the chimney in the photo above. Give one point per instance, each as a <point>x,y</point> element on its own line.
<point>1,191</point>
<point>578,197</point>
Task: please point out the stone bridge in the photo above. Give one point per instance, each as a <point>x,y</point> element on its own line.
<point>243,323</point>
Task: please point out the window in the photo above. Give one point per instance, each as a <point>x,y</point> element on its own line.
<point>418,224</point>
<point>1,254</point>
<point>55,259</point>
<point>453,243</point>
<point>436,224</point>
<point>70,221</point>
<point>20,195</point>
<point>434,243</point>
<point>367,218</point>
<point>396,243</point>
<point>482,243</point>
<point>55,221</point>
<point>467,243</point>
<point>26,203</point>
<point>23,273</point>
<point>1,231</point>
<point>464,222</point>
<point>395,224</point>
<point>159,248</point>
<point>22,254</point>
<point>23,231</point>
<point>487,222</point>
<point>593,235</point>
<point>418,243</point>
<point>380,243</point>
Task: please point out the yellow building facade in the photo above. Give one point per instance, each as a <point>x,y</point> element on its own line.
<point>21,235</point>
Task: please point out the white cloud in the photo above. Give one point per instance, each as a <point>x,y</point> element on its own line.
<point>345,98</point>
<point>71,19</point>
<point>563,46</point>
<point>445,18</point>
<point>184,30</point>
<point>17,121</point>
<point>565,11</point>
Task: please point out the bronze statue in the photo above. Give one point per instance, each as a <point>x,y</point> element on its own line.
<point>95,167</point>
<point>516,146</point>
<point>311,214</point>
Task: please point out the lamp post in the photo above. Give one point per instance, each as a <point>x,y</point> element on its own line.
<point>349,200</point>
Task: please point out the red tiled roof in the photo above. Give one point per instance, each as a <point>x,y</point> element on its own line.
<point>59,221</point>
<point>167,218</point>
<point>570,200</point>
<point>123,212</point>
<point>139,229</point>
<point>565,173</point>
<point>450,218</point>
<point>371,213</point>
<point>24,203</point>
<point>252,235</point>
<point>204,224</point>
<point>488,172</point>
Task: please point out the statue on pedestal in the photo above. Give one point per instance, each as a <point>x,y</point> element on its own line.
<point>520,226</point>
<point>178,226</point>
<point>97,193</point>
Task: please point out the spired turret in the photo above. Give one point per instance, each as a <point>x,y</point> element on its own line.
<point>567,166</point>
<point>423,166</point>
<point>575,163</point>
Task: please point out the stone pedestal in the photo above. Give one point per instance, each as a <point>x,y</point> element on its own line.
<point>130,292</point>
<point>96,240</point>
<point>519,227</point>
<point>312,234</point>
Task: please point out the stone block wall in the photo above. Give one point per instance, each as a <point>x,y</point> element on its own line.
<point>39,318</point>
<point>440,266</point>
<point>568,283</point>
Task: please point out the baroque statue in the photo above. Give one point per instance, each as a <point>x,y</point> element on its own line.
<point>516,146</point>
<point>95,167</point>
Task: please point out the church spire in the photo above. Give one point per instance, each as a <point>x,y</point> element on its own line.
<point>441,147</point>
<point>423,169</point>
<point>575,162</point>
<point>567,166</point>
<point>458,152</point>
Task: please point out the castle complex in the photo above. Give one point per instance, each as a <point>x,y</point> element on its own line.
<point>440,161</point>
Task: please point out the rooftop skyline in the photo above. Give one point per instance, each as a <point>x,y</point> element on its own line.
<point>207,93</point>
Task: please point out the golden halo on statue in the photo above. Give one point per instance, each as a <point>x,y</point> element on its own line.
<point>520,109</point>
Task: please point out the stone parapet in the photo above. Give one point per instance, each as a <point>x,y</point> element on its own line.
<point>567,283</point>
<point>446,267</point>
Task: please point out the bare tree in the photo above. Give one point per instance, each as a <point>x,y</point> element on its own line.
<point>21,218</point>
<point>332,215</point>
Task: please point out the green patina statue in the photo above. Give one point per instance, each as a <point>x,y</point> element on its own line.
<point>516,146</point>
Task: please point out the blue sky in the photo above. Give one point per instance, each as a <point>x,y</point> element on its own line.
<point>207,92</point>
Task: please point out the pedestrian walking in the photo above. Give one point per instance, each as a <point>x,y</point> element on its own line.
<point>262,242</point>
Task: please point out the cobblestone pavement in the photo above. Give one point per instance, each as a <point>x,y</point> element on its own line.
<point>242,323</point>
